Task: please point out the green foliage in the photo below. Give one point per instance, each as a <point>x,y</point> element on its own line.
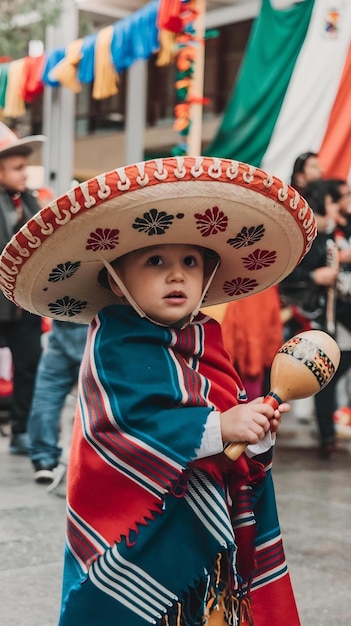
<point>23,20</point>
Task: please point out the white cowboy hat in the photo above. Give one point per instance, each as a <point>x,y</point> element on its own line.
<point>10,144</point>
<point>259,226</point>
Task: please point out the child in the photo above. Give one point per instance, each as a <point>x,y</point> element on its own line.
<point>19,330</point>
<point>163,528</point>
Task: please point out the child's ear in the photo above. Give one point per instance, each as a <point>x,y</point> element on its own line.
<point>113,285</point>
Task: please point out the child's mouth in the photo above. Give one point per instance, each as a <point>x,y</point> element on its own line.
<point>176,295</point>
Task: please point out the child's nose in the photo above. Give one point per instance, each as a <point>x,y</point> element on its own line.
<point>176,273</point>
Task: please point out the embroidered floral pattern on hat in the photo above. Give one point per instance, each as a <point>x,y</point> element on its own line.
<point>213,221</point>
<point>154,222</point>
<point>247,236</point>
<point>62,271</point>
<point>66,306</point>
<point>259,259</point>
<point>103,239</point>
<point>239,286</point>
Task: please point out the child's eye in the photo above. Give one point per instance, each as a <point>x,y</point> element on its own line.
<point>190,261</point>
<point>155,260</point>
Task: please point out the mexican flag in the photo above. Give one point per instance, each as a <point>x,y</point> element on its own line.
<point>293,91</point>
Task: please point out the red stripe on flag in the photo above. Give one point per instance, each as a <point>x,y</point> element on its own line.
<point>335,152</point>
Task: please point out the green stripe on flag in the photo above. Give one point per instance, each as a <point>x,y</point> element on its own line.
<point>273,47</point>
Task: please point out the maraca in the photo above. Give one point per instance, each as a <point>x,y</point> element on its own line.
<point>302,367</point>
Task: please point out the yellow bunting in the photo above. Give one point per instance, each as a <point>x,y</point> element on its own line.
<point>166,53</point>
<point>65,72</point>
<point>14,103</point>
<point>105,75</point>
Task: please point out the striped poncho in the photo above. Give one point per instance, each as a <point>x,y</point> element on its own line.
<point>154,536</point>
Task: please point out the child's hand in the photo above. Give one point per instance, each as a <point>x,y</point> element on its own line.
<point>275,421</point>
<point>248,423</point>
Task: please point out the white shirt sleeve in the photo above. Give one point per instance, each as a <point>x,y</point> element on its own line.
<point>262,446</point>
<point>211,442</point>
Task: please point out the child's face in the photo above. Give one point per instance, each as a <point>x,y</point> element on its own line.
<point>13,173</point>
<point>166,281</point>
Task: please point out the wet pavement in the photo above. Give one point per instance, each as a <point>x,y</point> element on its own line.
<point>314,502</point>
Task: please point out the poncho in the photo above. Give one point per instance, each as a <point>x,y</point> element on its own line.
<point>155,536</point>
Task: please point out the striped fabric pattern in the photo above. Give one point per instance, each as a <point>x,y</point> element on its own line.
<point>145,521</point>
<point>208,505</point>
<point>131,586</point>
<point>270,562</point>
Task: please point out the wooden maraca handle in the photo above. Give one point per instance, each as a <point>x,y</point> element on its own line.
<point>234,450</point>
<point>302,366</point>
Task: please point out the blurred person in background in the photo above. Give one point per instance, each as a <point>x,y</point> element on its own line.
<point>56,376</point>
<point>311,293</point>
<point>340,192</point>
<point>19,330</point>
<point>305,169</point>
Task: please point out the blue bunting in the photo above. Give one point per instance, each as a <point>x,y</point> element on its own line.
<point>52,59</point>
<point>87,63</point>
<point>134,37</point>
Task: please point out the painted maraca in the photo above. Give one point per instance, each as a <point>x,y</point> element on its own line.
<point>302,367</point>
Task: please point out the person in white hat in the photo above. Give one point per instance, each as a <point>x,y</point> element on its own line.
<point>162,527</point>
<point>19,330</point>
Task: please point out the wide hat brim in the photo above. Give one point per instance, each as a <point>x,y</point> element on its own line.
<point>24,146</point>
<point>12,145</point>
<point>260,227</point>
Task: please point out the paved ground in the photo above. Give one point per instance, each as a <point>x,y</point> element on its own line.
<point>314,500</point>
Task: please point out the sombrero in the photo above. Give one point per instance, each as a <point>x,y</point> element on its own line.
<point>259,226</point>
<point>10,144</point>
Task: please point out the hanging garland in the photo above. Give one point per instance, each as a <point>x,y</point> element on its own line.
<point>186,51</point>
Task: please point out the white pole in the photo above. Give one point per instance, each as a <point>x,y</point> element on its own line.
<point>135,112</point>
<point>195,133</point>
<point>59,109</point>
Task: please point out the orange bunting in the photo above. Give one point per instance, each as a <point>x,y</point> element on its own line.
<point>181,125</point>
<point>185,59</point>
<point>182,120</point>
<point>181,109</point>
<point>184,82</point>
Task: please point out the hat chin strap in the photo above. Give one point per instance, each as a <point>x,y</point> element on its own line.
<point>140,311</point>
